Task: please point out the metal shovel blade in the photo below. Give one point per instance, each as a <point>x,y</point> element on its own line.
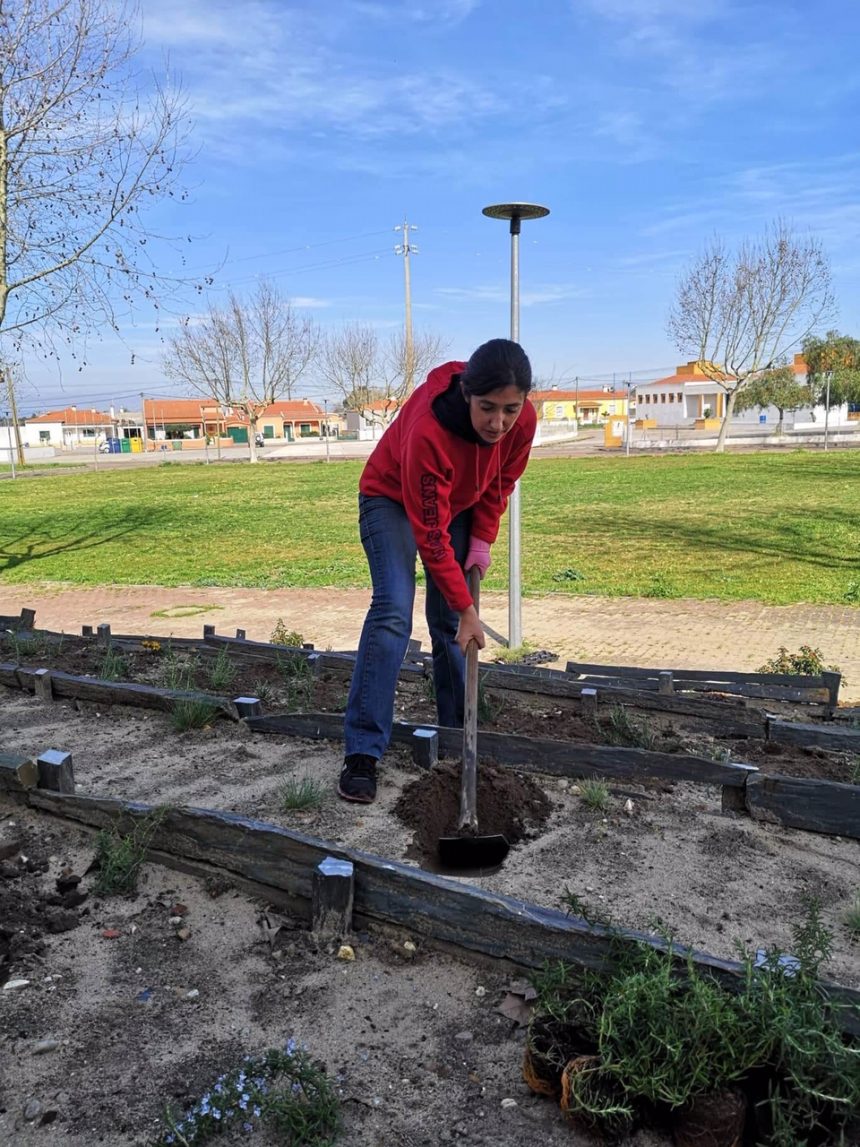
<point>472,851</point>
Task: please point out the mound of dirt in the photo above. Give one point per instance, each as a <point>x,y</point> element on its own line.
<point>509,804</point>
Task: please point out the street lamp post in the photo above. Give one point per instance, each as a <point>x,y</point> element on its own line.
<point>515,213</point>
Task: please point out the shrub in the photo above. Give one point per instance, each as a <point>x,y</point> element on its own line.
<point>120,856</point>
<point>806,662</point>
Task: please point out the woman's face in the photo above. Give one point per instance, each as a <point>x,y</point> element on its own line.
<point>493,414</point>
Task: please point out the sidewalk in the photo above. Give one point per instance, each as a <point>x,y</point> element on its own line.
<point>661,633</point>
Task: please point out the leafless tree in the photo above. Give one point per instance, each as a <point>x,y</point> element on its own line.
<point>81,156</point>
<point>741,312</point>
<point>372,376</point>
<point>245,355</point>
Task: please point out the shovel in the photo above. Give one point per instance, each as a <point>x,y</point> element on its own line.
<point>468,849</point>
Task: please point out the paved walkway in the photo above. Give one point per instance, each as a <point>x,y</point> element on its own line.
<point>679,634</point>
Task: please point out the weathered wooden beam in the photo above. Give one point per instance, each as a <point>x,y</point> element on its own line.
<point>332,899</point>
<point>9,674</point>
<point>827,736</point>
<point>799,802</point>
<point>557,758</point>
<point>388,893</point>
<point>56,771</point>
<point>119,692</point>
<point>17,773</point>
<point>43,688</point>
<point>709,676</point>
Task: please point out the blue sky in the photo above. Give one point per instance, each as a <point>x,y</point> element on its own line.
<point>646,126</point>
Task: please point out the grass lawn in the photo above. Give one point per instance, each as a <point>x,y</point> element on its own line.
<point>779,528</point>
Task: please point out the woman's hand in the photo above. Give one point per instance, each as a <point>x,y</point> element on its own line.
<point>478,555</point>
<point>470,629</point>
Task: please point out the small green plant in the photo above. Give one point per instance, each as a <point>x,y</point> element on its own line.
<point>283,636</point>
<point>488,707</point>
<point>119,856</point>
<point>659,586</point>
<point>298,675</point>
<point>114,666</point>
<point>806,662</point>
<point>578,906</point>
<point>622,729</point>
<point>852,593</point>
<point>222,671</point>
<point>854,772</point>
<point>178,672</point>
<point>192,713</point>
<point>302,793</point>
<point>263,690</point>
<point>285,1090</point>
<point>512,655</point>
<point>852,918</point>
<point>568,575</point>
<point>595,794</point>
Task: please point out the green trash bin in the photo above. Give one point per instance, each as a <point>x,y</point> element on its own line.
<point>177,443</point>
<point>125,446</point>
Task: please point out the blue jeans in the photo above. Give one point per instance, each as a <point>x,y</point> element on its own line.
<point>391,553</point>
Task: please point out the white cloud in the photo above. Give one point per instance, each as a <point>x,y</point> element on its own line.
<point>530,297</point>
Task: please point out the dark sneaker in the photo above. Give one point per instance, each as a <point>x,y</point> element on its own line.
<point>358,779</point>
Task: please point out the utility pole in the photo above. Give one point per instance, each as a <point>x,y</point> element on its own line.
<point>629,423</point>
<point>143,420</point>
<point>327,451</point>
<point>406,249</point>
<point>827,411</point>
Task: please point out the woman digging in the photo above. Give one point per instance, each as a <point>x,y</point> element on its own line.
<point>435,486</point>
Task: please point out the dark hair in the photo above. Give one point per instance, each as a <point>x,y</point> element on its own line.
<point>496,364</point>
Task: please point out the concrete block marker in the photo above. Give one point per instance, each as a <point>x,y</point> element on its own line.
<point>425,748</point>
<point>208,631</point>
<point>103,632</point>
<point>665,681</point>
<point>55,771</point>
<point>86,631</point>
<point>332,896</point>
<point>240,634</point>
<point>28,619</point>
<point>44,688</point>
<point>248,706</point>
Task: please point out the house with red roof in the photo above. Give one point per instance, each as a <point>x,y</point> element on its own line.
<point>69,428</point>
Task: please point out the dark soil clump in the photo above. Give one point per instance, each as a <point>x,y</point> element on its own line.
<point>509,804</point>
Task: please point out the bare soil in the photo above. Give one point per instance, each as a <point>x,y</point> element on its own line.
<point>413,1039</point>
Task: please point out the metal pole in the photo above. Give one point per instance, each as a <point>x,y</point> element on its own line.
<point>627,435</point>
<point>327,451</point>
<point>515,603</point>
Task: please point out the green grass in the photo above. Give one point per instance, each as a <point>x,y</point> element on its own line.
<point>776,528</point>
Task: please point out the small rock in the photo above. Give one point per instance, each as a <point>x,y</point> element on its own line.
<point>32,1110</point>
<point>175,920</point>
<point>15,985</point>
<point>346,952</point>
<point>464,1037</point>
<point>480,991</point>
<point>179,910</point>
<point>183,933</point>
<point>507,1104</point>
<point>628,807</point>
<point>408,946</point>
<point>45,1045</point>
<point>193,994</point>
<point>110,934</point>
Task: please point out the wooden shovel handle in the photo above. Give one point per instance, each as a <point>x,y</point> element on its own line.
<point>469,786</point>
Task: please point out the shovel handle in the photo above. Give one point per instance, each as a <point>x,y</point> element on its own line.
<point>469,786</point>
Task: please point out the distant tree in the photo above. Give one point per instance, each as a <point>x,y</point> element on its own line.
<point>778,387</point>
<point>372,376</point>
<point>81,155</point>
<point>833,365</point>
<point>740,313</point>
<point>246,355</point>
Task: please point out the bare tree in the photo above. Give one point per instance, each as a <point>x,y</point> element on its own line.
<point>374,377</point>
<point>81,155</point>
<point>740,313</point>
<point>245,355</point>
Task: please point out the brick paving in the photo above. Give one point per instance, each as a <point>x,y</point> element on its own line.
<point>671,633</point>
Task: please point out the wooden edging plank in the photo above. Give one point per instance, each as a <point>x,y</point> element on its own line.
<point>801,802</point>
<point>117,692</point>
<point>557,758</point>
<point>802,733</point>
<point>715,676</point>
<point>392,894</point>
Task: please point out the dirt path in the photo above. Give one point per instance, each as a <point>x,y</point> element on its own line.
<point>676,633</point>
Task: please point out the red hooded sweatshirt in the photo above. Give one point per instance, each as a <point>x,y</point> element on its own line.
<point>435,474</point>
